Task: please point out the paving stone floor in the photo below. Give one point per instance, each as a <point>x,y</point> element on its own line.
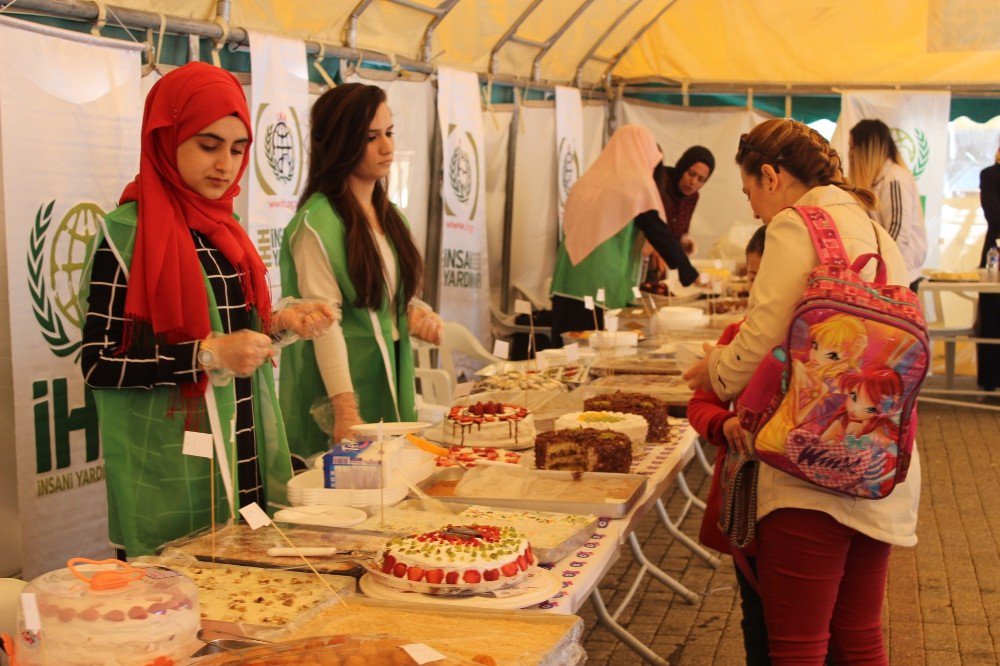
<point>943,600</point>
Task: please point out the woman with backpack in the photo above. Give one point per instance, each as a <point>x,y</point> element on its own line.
<point>822,557</point>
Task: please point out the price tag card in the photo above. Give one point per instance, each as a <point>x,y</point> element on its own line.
<point>542,362</point>
<point>422,654</point>
<point>717,287</point>
<point>674,275</point>
<point>463,389</point>
<point>501,348</point>
<point>636,293</point>
<point>588,302</point>
<point>600,295</point>
<point>522,307</point>
<point>255,516</point>
<point>198,444</point>
<point>572,352</point>
<point>717,263</point>
<point>611,324</point>
<point>29,608</point>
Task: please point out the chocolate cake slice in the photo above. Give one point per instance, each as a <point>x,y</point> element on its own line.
<point>583,450</point>
<point>652,409</point>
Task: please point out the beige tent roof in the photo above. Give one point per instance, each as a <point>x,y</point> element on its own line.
<point>696,42</point>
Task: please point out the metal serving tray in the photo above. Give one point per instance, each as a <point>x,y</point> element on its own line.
<point>632,485</point>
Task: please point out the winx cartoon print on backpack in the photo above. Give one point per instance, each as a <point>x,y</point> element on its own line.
<point>836,404</point>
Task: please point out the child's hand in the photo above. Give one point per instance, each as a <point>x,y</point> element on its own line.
<point>736,436</point>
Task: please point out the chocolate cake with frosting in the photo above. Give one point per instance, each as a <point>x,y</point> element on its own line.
<point>583,450</point>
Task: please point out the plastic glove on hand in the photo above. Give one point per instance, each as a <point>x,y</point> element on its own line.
<point>306,319</point>
<point>238,353</point>
<point>425,325</point>
<point>345,415</point>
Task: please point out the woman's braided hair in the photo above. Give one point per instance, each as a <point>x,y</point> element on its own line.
<point>802,151</point>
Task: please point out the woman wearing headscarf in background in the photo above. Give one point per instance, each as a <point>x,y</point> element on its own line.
<point>609,210</point>
<point>174,291</point>
<point>679,187</point>
<point>877,166</point>
<point>988,320</point>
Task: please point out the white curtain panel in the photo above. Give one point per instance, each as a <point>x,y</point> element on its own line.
<point>496,132</point>
<point>722,204</point>
<point>412,105</point>
<point>533,240</point>
<point>595,117</point>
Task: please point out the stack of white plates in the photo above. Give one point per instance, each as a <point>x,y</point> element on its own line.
<point>307,489</point>
<point>674,317</point>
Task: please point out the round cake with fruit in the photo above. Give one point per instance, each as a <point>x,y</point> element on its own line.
<point>474,556</point>
<point>632,426</point>
<point>490,424</point>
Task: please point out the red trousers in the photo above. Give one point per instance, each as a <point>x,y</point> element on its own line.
<point>822,585</point>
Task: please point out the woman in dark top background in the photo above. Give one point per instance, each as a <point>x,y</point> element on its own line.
<point>988,355</point>
<point>608,207</point>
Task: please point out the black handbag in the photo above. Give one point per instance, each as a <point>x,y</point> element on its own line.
<point>738,517</point>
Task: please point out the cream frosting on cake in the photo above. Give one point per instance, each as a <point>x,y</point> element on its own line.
<point>494,424</point>
<point>460,555</point>
<point>632,426</point>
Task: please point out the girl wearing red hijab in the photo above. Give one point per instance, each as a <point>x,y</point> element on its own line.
<point>174,292</point>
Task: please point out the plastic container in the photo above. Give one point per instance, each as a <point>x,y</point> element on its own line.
<point>109,612</point>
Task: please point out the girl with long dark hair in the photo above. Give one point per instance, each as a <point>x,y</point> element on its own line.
<point>349,245</point>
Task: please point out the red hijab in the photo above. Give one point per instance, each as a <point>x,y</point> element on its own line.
<point>166,289</point>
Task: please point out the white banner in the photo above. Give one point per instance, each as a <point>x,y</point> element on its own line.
<point>412,106</point>
<point>569,143</point>
<point>721,204</point>
<point>464,283</point>
<point>919,123</point>
<point>70,114</point>
<point>279,162</point>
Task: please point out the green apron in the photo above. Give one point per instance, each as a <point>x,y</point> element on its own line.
<point>155,493</point>
<point>613,266</point>
<point>384,390</point>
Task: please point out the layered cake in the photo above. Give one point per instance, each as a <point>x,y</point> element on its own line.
<point>652,409</point>
<point>583,450</point>
<point>460,555</point>
<point>490,424</point>
<point>632,426</point>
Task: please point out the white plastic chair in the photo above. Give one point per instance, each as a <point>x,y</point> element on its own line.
<point>458,338</point>
<point>939,329</point>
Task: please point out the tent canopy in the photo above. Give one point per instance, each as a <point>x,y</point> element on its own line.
<point>918,43</point>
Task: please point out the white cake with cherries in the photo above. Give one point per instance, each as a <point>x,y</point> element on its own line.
<point>491,424</point>
<point>632,426</point>
<point>476,556</point>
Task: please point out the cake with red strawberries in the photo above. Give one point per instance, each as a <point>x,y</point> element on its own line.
<point>476,556</point>
<point>492,424</point>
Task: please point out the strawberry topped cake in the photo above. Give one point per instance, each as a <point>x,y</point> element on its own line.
<point>490,424</point>
<point>477,556</point>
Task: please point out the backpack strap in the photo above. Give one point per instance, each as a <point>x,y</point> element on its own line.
<point>824,235</point>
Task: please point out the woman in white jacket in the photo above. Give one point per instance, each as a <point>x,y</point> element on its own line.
<point>876,165</point>
<point>822,558</point>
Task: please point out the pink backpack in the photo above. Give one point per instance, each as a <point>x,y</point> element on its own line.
<point>836,404</point>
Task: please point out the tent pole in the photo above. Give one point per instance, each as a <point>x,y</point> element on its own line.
<point>600,40</point>
<point>508,207</point>
<point>432,252</point>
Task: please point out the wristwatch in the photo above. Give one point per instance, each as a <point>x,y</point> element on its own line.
<point>207,358</point>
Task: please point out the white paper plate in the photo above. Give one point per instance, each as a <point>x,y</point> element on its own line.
<point>538,587</point>
<point>326,515</point>
<point>391,429</point>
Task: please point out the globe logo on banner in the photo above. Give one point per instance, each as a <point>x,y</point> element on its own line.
<point>915,153</point>
<point>569,168</point>
<point>278,150</point>
<point>463,178</point>
<point>55,301</point>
